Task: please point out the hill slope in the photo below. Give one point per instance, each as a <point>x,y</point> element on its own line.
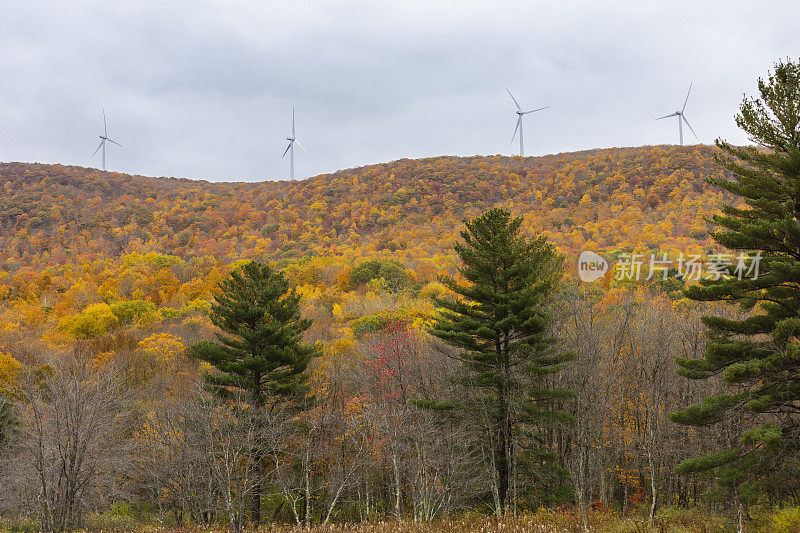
<point>603,199</point>
<point>86,253</point>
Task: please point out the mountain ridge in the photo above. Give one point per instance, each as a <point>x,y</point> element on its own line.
<point>571,197</point>
<point>587,151</point>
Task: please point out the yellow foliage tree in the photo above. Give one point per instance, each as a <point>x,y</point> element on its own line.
<point>162,350</point>
<point>95,320</point>
<point>9,370</point>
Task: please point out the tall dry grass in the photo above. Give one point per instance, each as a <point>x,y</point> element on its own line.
<point>540,522</point>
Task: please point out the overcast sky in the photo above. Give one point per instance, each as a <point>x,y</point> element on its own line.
<point>205,89</point>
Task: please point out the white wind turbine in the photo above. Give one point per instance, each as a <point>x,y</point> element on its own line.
<point>290,148</point>
<point>520,114</point>
<point>103,139</point>
<point>682,117</point>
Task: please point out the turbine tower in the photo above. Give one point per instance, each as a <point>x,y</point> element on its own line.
<point>103,139</point>
<point>520,114</point>
<point>682,117</point>
<point>290,148</point>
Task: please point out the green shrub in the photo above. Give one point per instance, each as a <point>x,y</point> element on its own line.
<point>392,272</point>
<point>170,312</point>
<point>195,306</point>
<point>119,517</point>
<point>786,520</point>
<point>19,525</point>
<point>373,323</point>
<point>129,311</point>
<point>159,261</point>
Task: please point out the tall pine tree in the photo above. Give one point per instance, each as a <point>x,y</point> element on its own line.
<point>260,350</point>
<point>499,325</point>
<point>758,357</point>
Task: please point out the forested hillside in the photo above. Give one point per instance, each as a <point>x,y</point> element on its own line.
<point>72,237</point>
<point>650,196</point>
<point>120,271</point>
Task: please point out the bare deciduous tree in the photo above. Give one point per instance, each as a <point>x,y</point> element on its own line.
<point>74,423</point>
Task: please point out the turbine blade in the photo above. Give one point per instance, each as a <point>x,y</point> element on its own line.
<point>293,135</point>
<point>115,142</point>
<point>535,110</point>
<point>690,127</point>
<point>287,148</point>
<point>519,121</point>
<point>105,126</point>
<point>515,100</point>
<point>300,145</point>
<point>687,97</point>
<point>98,148</point>
<point>675,114</point>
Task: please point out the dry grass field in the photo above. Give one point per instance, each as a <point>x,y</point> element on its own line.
<point>545,521</point>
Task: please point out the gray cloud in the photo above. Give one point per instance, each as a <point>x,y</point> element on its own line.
<point>204,89</point>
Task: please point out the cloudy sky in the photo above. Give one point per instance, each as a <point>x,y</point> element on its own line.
<point>205,89</point>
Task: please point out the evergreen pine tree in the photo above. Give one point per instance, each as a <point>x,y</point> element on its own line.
<point>259,351</point>
<point>499,325</point>
<point>758,357</point>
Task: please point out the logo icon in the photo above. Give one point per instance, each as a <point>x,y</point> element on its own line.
<point>591,266</point>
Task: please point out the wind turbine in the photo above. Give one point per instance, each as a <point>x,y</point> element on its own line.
<point>520,114</point>
<point>103,139</point>
<point>682,117</point>
<point>290,148</point>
